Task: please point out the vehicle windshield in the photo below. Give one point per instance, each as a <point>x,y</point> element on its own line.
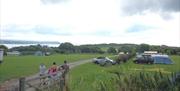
<point>100,57</point>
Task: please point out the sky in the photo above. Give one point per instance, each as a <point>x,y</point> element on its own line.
<point>155,22</point>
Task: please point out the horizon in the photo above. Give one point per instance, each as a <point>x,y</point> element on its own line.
<point>92,21</point>
<point>56,43</point>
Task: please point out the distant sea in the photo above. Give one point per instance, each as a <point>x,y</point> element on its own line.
<point>17,45</point>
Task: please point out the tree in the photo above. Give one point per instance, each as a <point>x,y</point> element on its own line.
<point>97,50</point>
<point>111,50</point>
<point>125,49</point>
<point>143,47</point>
<point>67,48</point>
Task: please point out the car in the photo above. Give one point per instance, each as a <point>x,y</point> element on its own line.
<point>98,59</point>
<point>144,59</point>
<point>103,61</point>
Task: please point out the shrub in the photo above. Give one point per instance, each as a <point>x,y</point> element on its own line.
<point>148,81</point>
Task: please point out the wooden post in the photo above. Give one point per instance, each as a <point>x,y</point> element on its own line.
<point>22,84</point>
<point>61,84</point>
<point>66,82</point>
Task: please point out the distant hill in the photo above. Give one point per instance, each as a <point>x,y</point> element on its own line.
<point>27,42</point>
<point>115,45</point>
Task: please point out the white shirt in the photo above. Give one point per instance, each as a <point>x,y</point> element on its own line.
<point>42,69</point>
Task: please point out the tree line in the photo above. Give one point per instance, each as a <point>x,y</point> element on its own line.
<point>67,47</point>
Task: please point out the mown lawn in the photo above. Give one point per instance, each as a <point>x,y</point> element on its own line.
<point>91,77</point>
<point>17,66</point>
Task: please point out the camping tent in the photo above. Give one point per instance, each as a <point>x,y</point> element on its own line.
<point>162,59</point>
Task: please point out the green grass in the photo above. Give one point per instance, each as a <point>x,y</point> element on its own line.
<point>91,77</point>
<point>87,76</point>
<point>18,66</point>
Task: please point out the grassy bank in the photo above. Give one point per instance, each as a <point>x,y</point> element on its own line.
<point>17,66</point>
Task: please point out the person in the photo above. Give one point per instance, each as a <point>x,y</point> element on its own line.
<point>65,75</point>
<point>53,70</point>
<point>42,69</point>
<point>65,66</point>
<point>42,72</point>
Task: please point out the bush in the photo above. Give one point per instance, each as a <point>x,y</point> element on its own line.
<point>148,81</point>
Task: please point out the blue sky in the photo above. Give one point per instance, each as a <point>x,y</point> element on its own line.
<point>92,21</point>
<point>139,28</point>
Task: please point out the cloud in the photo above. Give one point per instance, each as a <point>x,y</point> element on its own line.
<point>91,21</point>
<point>131,7</point>
<point>44,30</point>
<point>51,1</point>
<point>38,29</point>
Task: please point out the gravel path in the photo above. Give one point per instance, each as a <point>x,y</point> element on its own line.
<point>15,82</point>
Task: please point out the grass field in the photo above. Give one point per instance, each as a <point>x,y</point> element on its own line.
<point>17,66</point>
<point>90,77</point>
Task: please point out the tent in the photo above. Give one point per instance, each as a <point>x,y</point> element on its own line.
<point>162,59</point>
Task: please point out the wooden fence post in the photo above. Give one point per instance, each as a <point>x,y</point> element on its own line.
<point>66,82</point>
<point>22,84</point>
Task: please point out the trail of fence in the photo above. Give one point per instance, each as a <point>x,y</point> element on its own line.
<point>32,83</point>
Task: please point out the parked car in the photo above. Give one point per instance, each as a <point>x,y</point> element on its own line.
<point>103,61</point>
<point>144,59</point>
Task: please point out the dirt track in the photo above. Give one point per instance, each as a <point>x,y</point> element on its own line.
<point>15,82</point>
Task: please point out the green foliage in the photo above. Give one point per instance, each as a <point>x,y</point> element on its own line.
<point>97,48</point>
<point>86,49</point>
<point>143,47</point>
<point>148,81</point>
<point>5,49</point>
<point>111,50</point>
<point>30,50</point>
<point>67,48</point>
